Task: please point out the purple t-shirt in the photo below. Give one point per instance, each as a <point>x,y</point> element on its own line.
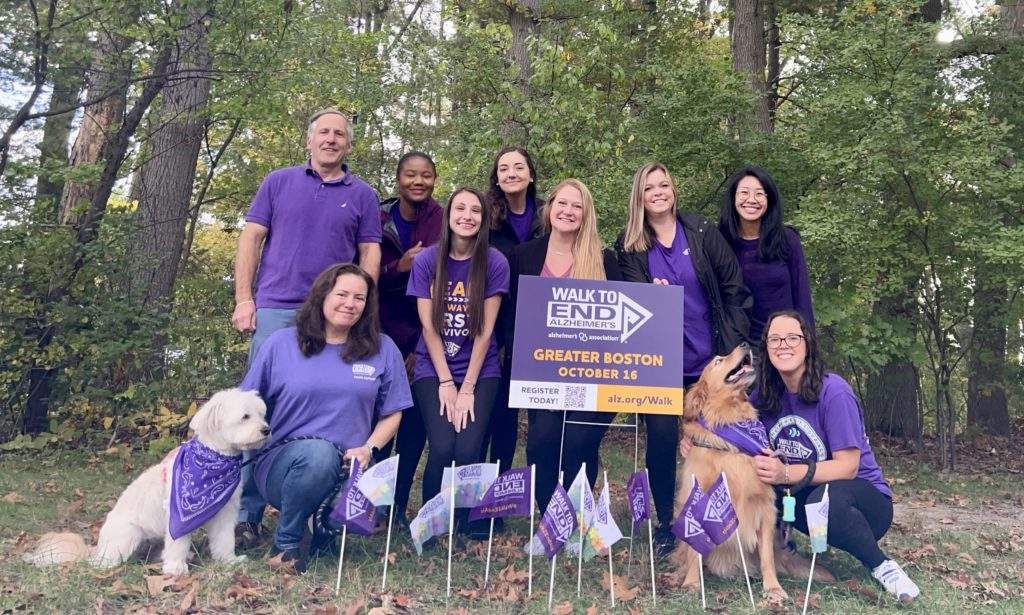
<point>805,431</point>
<point>776,285</point>
<point>675,265</point>
<point>323,396</point>
<point>458,345</point>
<point>522,223</point>
<point>312,225</point>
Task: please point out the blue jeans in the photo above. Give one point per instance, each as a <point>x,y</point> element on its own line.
<point>268,320</point>
<point>301,475</point>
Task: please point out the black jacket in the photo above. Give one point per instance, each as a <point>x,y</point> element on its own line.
<point>528,259</point>
<point>504,237</point>
<point>719,275</point>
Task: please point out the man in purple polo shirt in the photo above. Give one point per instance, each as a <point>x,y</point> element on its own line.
<point>302,220</point>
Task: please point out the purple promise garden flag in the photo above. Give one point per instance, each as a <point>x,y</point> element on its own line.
<point>557,524</point>
<point>716,513</point>
<point>353,509</point>
<point>639,493</point>
<point>508,496</point>
<point>687,528</point>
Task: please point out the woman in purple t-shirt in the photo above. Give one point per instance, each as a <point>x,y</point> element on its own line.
<point>663,246</point>
<point>769,253</point>
<point>458,283</point>
<point>813,419</point>
<point>337,387</point>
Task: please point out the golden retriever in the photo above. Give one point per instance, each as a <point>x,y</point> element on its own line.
<point>720,398</point>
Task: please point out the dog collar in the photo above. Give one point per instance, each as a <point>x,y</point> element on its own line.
<point>749,437</point>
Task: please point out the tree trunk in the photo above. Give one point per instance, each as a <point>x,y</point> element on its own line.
<point>108,76</point>
<point>524,20</point>
<point>931,11</point>
<point>987,409</point>
<point>166,178</point>
<point>774,60</point>
<point>43,373</point>
<point>891,404</point>
<point>53,149</point>
<point>748,58</point>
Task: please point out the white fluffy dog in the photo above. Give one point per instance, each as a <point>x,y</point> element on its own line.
<point>230,422</point>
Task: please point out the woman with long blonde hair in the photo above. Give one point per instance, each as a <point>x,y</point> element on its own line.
<point>569,248</point>
<point>661,245</point>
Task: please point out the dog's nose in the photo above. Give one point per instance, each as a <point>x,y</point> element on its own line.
<point>265,431</point>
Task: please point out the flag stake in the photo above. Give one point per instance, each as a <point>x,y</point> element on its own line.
<point>551,583</point>
<point>490,539</point>
<point>451,531</point>
<point>341,560</point>
<point>611,572</point>
<point>387,542</point>
<point>739,545</point>
<point>650,541</point>
<point>807,594</point>
<point>533,488</point>
<point>703,598</point>
<point>579,566</point>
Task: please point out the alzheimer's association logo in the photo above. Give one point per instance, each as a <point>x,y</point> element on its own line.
<point>595,309</point>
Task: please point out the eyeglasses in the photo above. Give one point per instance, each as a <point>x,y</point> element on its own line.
<point>745,194</point>
<point>792,340</point>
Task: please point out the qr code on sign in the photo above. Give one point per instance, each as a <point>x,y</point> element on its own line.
<point>575,397</point>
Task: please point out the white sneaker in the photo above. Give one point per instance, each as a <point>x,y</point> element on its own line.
<point>895,581</point>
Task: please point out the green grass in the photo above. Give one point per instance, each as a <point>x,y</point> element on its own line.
<point>969,564</point>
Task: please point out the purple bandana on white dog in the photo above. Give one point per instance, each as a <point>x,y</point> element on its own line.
<point>202,482</point>
<point>748,436</point>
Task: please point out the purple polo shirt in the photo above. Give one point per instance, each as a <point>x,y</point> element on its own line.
<point>312,224</point>
<point>814,431</point>
<point>775,285</point>
<point>675,265</point>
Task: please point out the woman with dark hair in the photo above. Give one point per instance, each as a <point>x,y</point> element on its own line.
<point>514,214</point>
<point>816,427</point>
<point>769,252</point>
<point>458,284</point>
<point>569,248</point>
<point>326,379</point>
<point>664,246</point>
<point>410,223</point>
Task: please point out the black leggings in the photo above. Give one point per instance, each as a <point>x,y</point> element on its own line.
<point>662,451</point>
<point>581,445</point>
<point>446,445</point>
<point>858,516</point>
<point>504,429</point>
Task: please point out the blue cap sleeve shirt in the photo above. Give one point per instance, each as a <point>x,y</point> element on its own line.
<point>322,396</point>
<point>803,431</point>
<point>458,345</point>
<point>675,265</point>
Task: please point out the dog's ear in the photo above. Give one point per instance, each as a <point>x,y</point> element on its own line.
<point>696,398</point>
<point>207,420</point>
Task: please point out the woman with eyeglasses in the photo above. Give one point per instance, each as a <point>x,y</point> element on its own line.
<point>816,427</point>
<point>769,252</point>
<point>662,245</point>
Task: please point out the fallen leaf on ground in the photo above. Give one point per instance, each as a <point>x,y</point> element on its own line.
<point>188,600</point>
<point>960,580</point>
<point>857,588</point>
<point>563,608</point>
<point>623,591</point>
<point>157,583</point>
<point>330,609</point>
<point>13,498</point>
<point>355,607</point>
<point>402,600</point>
<point>967,559</point>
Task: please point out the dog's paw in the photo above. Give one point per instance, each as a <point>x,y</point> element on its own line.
<point>231,560</point>
<point>175,568</point>
<point>774,596</point>
<point>691,587</point>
